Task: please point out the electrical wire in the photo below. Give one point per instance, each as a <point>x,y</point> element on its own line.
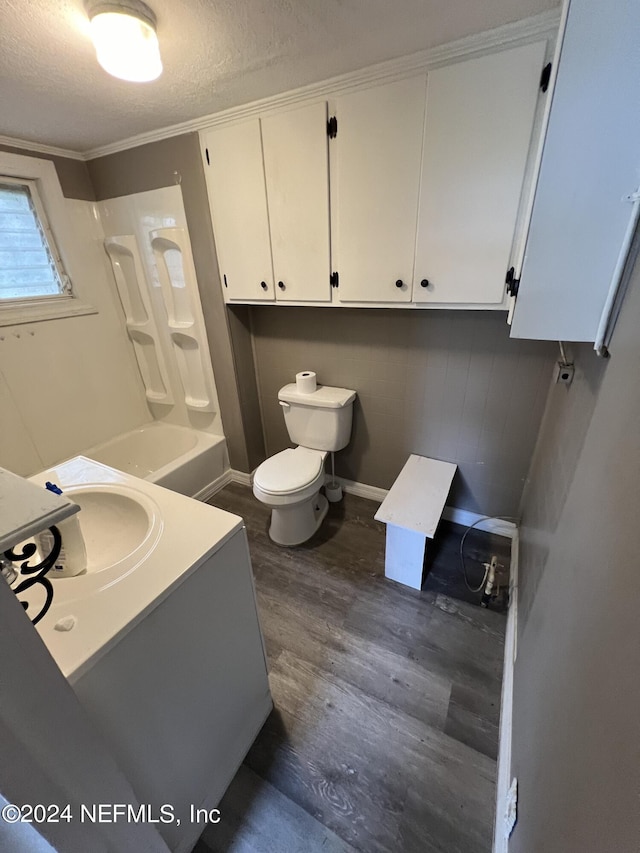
<point>464,536</point>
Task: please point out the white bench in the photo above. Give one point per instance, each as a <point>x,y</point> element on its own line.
<point>411,511</point>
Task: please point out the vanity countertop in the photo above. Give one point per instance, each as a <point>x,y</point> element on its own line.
<point>107,601</point>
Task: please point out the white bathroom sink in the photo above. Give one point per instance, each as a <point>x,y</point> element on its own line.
<point>115,521</point>
<point>142,541</point>
<point>121,526</point>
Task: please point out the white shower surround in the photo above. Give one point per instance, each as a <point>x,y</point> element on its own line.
<point>142,220</point>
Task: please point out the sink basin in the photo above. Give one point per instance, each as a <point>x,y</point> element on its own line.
<point>114,523</point>
<point>121,526</point>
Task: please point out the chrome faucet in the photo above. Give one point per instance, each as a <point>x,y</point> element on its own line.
<point>8,570</point>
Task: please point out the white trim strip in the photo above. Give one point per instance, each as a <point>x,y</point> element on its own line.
<point>374,493</point>
<point>228,476</point>
<point>39,148</point>
<point>362,490</point>
<point>415,306</point>
<point>544,25</point>
<point>500,843</point>
<point>540,26</point>
<point>491,525</point>
<point>241,477</point>
<point>616,286</point>
<point>219,483</point>
<point>39,310</point>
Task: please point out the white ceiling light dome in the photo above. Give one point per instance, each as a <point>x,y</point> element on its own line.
<point>124,36</point>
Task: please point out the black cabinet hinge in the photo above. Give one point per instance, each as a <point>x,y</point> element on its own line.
<point>545,77</point>
<point>332,127</point>
<point>334,278</point>
<point>512,282</point>
<point>206,151</point>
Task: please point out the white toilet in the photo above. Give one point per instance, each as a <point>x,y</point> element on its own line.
<point>290,481</point>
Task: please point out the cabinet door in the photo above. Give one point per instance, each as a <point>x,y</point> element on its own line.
<point>478,128</point>
<point>581,219</point>
<point>297,176</point>
<point>378,150</point>
<point>235,181</point>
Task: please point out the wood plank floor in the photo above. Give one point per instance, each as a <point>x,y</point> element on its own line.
<point>385,729</point>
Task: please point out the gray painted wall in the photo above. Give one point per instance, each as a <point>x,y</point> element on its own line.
<point>576,724</point>
<point>446,384</point>
<point>162,164</point>
<point>562,433</point>
<point>72,174</point>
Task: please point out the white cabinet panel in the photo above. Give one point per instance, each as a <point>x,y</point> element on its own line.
<point>378,150</point>
<point>478,126</point>
<point>590,163</point>
<point>237,195</point>
<point>297,176</point>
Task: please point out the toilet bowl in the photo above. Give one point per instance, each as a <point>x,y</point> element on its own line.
<point>289,482</point>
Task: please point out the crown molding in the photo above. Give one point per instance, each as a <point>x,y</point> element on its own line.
<point>540,26</point>
<point>23,144</point>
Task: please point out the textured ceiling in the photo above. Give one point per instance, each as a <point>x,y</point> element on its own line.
<point>216,54</point>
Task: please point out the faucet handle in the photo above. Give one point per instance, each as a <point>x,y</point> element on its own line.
<point>8,570</point>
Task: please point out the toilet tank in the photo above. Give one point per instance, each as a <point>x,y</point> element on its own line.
<point>321,420</point>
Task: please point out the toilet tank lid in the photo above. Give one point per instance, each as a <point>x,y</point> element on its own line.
<point>325,396</point>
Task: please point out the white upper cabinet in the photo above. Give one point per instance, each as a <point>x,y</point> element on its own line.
<point>297,176</point>
<point>401,191</point>
<point>377,157</point>
<point>478,128</point>
<point>582,217</point>
<point>238,200</point>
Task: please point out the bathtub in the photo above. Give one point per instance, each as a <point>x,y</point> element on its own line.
<point>179,458</point>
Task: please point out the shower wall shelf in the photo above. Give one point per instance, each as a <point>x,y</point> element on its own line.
<point>178,284</point>
<point>141,325</point>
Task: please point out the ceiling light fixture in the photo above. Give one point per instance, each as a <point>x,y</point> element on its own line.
<point>124,36</point>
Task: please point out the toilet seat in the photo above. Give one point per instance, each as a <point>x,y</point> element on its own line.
<point>291,471</point>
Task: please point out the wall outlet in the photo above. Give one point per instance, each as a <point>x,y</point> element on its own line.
<point>564,373</point>
<point>511,809</point>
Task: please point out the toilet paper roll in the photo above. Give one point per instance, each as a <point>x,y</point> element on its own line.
<point>306,382</point>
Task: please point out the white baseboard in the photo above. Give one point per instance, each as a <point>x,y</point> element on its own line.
<point>491,525</point>
<point>374,493</point>
<point>458,516</point>
<point>228,476</point>
<point>500,843</point>
<point>241,477</point>
<point>210,490</point>
<point>362,490</point>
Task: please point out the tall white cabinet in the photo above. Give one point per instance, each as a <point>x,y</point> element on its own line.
<point>584,211</point>
<point>268,183</point>
<point>477,133</point>
<point>378,150</point>
<point>238,200</point>
<point>297,178</point>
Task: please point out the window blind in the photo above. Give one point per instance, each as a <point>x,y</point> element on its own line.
<point>27,268</point>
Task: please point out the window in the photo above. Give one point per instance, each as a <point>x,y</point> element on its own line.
<point>40,242</point>
<point>30,266</point>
